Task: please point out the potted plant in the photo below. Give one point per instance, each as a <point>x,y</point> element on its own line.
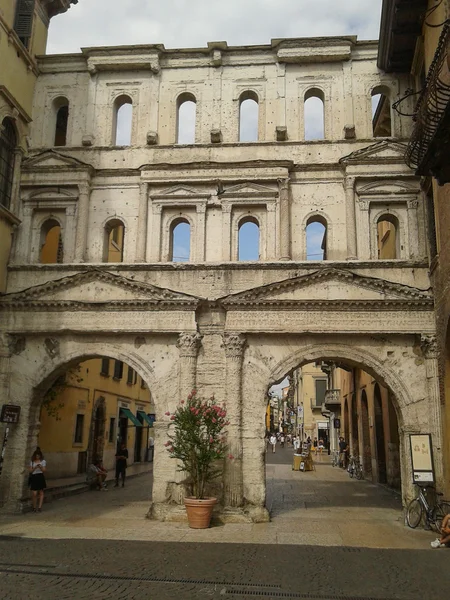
<point>198,442</point>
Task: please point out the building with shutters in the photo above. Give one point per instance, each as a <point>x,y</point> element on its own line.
<point>23,36</point>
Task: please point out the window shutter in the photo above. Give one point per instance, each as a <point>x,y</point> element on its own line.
<point>24,20</point>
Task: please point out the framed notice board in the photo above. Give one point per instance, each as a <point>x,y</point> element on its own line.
<point>422,458</point>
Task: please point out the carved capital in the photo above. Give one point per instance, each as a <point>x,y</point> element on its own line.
<point>189,343</point>
<point>84,189</point>
<point>428,345</point>
<point>283,184</point>
<point>233,344</point>
<point>364,205</point>
<point>349,183</point>
<point>413,204</point>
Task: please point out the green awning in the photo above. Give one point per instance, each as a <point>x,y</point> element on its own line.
<point>126,412</point>
<point>146,418</point>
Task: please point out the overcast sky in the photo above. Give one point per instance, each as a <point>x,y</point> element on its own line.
<point>193,23</point>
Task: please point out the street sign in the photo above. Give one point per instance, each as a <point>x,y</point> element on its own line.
<point>10,413</point>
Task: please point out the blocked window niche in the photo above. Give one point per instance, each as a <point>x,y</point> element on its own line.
<point>316,238</point>
<point>248,117</point>
<point>388,237</point>
<point>61,118</point>
<point>113,243</point>
<point>248,239</point>
<point>314,114</point>
<point>122,121</point>
<point>51,244</point>
<point>180,241</point>
<point>381,112</point>
<point>8,143</point>
<point>186,118</point>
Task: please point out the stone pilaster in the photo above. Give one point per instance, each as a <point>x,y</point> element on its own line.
<point>350,214</point>
<point>141,237</point>
<point>428,344</point>
<point>226,232</point>
<point>82,222</point>
<point>285,220</point>
<point>413,228</point>
<point>188,344</point>
<point>234,345</point>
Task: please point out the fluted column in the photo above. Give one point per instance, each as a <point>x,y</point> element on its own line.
<point>350,214</point>
<point>227,253</point>
<point>413,228</point>
<point>82,222</point>
<point>234,345</point>
<point>428,344</point>
<point>141,237</point>
<point>188,345</point>
<point>285,220</point>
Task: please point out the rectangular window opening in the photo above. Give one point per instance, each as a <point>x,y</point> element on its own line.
<point>112,427</point>
<point>118,369</point>
<point>79,425</point>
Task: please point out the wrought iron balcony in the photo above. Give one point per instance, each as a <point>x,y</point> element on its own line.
<point>429,148</point>
<point>332,397</point>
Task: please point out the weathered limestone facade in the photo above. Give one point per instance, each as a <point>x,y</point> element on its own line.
<point>226,327</point>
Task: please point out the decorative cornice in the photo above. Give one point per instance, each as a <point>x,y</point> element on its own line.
<point>188,344</point>
<point>233,344</point>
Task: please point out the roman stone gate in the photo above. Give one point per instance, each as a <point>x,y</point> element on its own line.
<point>189,312</point>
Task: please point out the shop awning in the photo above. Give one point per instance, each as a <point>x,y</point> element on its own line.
<point>126,412</point>
<point>146,418</point>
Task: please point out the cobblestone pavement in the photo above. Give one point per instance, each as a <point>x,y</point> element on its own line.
<point>95,569</point>
<point>319,508</point>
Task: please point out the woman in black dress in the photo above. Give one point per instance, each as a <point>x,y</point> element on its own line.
<point>37,469</point>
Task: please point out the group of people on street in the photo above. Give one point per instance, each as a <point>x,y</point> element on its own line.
<point>38,466</point>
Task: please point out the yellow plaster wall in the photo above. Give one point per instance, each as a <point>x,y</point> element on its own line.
<point>309,374</point>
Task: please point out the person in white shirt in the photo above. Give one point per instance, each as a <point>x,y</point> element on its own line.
<point>273,441</point>
<point>37,482</point>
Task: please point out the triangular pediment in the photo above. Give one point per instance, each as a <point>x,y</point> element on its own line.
<point>388,186</point>
<point>181,190</point>
<point>95,287</point>
<point>384,151</point>
<point>248,189</point>
<point>329,285</point>
<point>51,159</point>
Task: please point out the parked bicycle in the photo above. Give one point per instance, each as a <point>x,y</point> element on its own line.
<point>335,459</point>
<point>354,468</point>
<point>433,511</point>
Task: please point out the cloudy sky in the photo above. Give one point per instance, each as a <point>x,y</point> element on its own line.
<point>193,23</point>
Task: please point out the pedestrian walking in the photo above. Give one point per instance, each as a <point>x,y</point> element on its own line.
<point>36,479</point>
<point>273,441</point>
<point>282,440</point>
<point>121,464</point>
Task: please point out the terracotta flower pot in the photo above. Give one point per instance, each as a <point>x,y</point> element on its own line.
<point>199,511</point>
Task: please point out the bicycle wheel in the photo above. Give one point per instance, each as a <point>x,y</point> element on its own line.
<point>438,517</point>
<point>359,473</point>
<point>351,471</point>
<point>414,513</point>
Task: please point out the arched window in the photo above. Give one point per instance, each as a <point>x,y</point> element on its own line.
<point>381,113</point>
<point>248,239</point>
<point>61,108</point>
<point>8,143</point>
<point>180,241</point>
<point>122,121</point>
<point>52,250</point>
<point>186,117</point>
<point>314,114</point>
<point>387,237</point>
<point>114,239</point>
<point>316,239</point>
<point>248,117</point>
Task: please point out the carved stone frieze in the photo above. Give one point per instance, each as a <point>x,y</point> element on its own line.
<point>51,347</point>
<point>233,344</point>
<point>189,343</point>
<point>428,345</point>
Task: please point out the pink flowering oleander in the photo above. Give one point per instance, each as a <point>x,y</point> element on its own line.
<point>198,441</point>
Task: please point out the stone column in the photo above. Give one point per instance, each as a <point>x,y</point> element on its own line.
<point>156,234</point>
<point>82,222</point>
<point>226,232</point>
<point>200,234</point>
<point>285,220</point>
<point>429,348</point>
<point>234,345</point>
<point>188,345</point>
<point>141,237</point>
<point>413,229</point>
<point>271,238</point>
<point>350,215</point>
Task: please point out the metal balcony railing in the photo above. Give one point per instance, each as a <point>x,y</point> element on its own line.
<point>332,397</point>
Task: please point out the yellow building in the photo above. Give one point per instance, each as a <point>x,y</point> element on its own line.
<point>23,36</point>
<point>89,411</point>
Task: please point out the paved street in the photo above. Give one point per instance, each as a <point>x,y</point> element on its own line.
<point>330,537</point>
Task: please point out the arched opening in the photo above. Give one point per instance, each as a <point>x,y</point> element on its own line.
<point>51,243</point>
<point>381,113</point>
<point>186,119</point>
<point>316,238</point>
<point>388,237</point>
<point>114,240</point>
<point>248,117</point>
<point>248,239</point>
<point>314,114</point>
<point>379,434</point>
<point>367,455</point>
<point>8,143</point>
<point>61,108</point>
<point>87,415</point>
<point>122,121</point>
<point>180,241</point>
